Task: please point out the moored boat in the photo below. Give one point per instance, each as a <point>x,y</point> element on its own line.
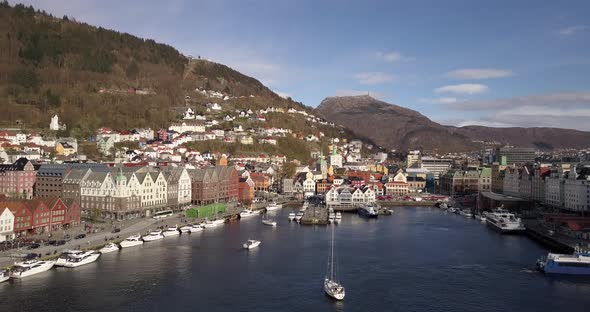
<point>79,259</point>
<point>152,236</point>
<point>171,231</point>
<point>63,258</point>
<point>504,221</point>
<point>4,275</point>
<point>291,216</point>
<point>298,216</point>
<point>111,247</point>
<point>186,229</point>
<point>31,267</point>
<point>270,222</point>
<point>248,213</point>
<point>131,241</point>
<point>251,243</point>
<point>196,228</point>
<point>273,206</point>
<point>368,211</point>
<point>331,285</point>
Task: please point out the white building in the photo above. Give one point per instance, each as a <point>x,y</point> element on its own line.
<point>576,190</point>
<point>54,124</point>
<point>308,187</point>
<point>345,197</point>
<point>6,225</point>
<point>187,126</point>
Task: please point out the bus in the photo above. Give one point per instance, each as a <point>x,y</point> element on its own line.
<point>162,214</point>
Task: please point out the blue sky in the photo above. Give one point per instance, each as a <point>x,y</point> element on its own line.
<point>498,63</point>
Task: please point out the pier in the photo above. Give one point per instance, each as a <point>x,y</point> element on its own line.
<point>555,241</point>
<point>315,215</point>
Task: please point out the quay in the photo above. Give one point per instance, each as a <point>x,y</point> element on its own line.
<point>555,241</point>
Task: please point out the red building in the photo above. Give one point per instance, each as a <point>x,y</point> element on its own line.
<point>23,216</point>
<point>245,190</point>
<point>17,179</point>
<point>40,215</point>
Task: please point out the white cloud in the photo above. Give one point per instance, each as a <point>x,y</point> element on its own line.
<point>466,88</point>
<point>372,78</point>
<point>389,57</point>
<point>441,100</point>
<point>560,99</point>
<point>479,73</point>
<point>572,30</point>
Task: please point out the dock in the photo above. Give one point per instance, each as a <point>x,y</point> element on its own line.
<point>555,241</point>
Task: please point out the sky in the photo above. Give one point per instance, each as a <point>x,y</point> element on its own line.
<point>493,63</point>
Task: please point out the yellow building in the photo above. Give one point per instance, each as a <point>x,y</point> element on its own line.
<point>65,149</point>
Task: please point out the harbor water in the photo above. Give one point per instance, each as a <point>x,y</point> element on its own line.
<point>419,259</point>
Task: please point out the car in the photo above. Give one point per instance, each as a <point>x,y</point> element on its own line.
<point>116,230</point>
<point>29,256</point>
<point>60,242</point>
<point>51,242</point>
<point>67,237</point>
<point>34,246</point>
<point>80,236</point>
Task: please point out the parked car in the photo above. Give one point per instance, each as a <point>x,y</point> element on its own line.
<point>117,230</point>
<point>60,242</point>
<point>29,256</point>
<point>80,236</point>
<point>380,198</point>
<point>34,246</point>
<point>67,237</point>
<point>51,242</point>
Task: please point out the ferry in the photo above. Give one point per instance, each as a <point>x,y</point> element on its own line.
<point>576,264</point>
<point>273,206</point>
<point>31,267</point>
<point>152,236</point>
<point>504,221</point>
<point>368,211</point>
<point>131,241</point>
<point>79,259</point>
<point>251,243</point>
<point>111,247</point>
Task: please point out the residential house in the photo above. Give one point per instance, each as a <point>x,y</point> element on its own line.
<point>6,224</point>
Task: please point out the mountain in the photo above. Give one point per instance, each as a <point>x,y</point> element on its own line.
<point>395,127</point>
<point>93,77</point>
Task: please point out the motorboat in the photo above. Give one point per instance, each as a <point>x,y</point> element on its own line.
<point>171,231</point>
<point>298,216</point>
<point>452,209</point>
<point>196,228</point>
<point>63,258</point>
<point>248,213</point>
<point>111,247</point>
<point>273,206</point>
<point>338,217</point>
<point>291,216</point>
<point>331,285</point>
<point>331,217</point>
<point>251,243</point>
<point>368,211</point>
<point>466,213</point>
<point>131,241</point>
<point>186,229</point>
<point>31,267</point>
<point>504,221</point>
<point>4,275</point>
<point>79,259</point>
<point>214,223</point>
<point>269,222</point>
<point>152,236</point>
<point>575,264</point>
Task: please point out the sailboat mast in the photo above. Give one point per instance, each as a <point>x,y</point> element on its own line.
<point>332,257</point>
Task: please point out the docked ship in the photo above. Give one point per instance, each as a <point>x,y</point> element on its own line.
<point>79,259</point>
<point>273,206</point>
<point>131,241</point>
<point>248,213</point>
<point>152,236</point>
<point>111,247</point>
<point>504,221</point>
<point>576,264</point>
<point>32,267</point>
<point>368,211</point>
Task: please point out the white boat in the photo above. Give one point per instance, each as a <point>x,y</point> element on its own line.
<point>251,243</point>
<point>338,217</point>
<point>31,267</point>
<point>248,213</point>
<point>152,236</point>
<point>131,241</point>
<point>305,206</point>
<point>331,285</point>
<point>196,228</point>
<point>273,206</point>
<point>4,275</point>
<point>331,217</point>
<point>269,222</point>
<point>111,247</point>
<point>466,213</point>
<point>452,209</point>
<point>504,221</point>
<point>291,216</point>
<point>171,231</point>
<point>79,259</point>
<point>298,216</point>
<point>214,223</point>
<point>186,229</point>
<point>63,258</point>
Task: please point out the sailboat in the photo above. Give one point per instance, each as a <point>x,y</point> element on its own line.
<point>331,285</point>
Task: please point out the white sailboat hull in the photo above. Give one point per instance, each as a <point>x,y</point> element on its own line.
<point>333,289</point>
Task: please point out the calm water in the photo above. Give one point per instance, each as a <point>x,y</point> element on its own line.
<point>420,259</point>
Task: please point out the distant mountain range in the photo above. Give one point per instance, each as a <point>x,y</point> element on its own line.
<point>395,127</point>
